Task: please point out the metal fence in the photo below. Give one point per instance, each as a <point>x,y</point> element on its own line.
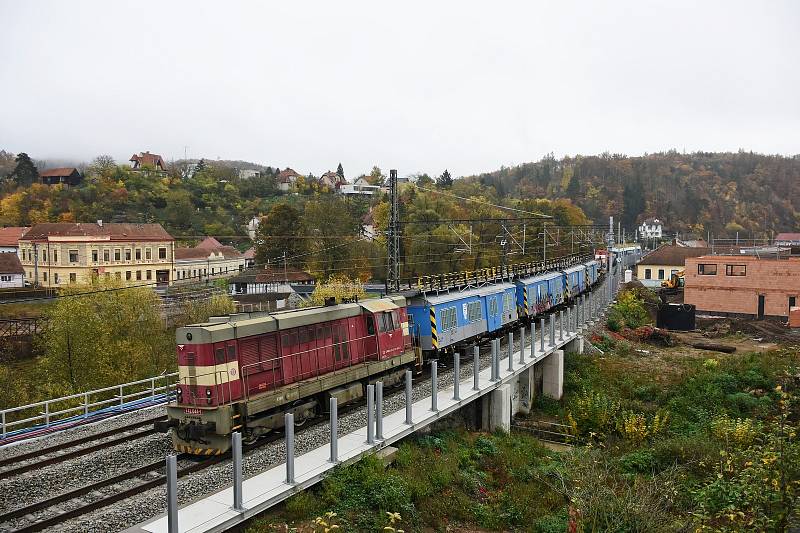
<point>84,404</point>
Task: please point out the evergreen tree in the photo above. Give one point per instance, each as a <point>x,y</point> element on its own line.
<point>201,166</point>
<point>340,171</point>
<point>25,172</point>
<point>445,181</point>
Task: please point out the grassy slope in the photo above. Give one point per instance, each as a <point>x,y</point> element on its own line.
<point>704,470</point>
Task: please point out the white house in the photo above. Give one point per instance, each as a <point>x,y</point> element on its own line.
<point>9,239</point>
<point>252,227</point>
<point>247,173</point>
<point>12,275</point>
<point>287,179</point>
<point>208,260</point>
<point>651,228</point>
<point>360,186</point>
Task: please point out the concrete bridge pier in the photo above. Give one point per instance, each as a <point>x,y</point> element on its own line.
<point>575,345</point>
<point>553,375</point>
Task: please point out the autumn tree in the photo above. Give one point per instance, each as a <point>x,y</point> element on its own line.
<point>101,334</point>
<point>338,287</point>
<point>376,176</point>
<point>25,173</point>
<point>280,231</point>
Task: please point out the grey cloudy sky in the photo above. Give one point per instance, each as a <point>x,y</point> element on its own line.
<point>417,86</point>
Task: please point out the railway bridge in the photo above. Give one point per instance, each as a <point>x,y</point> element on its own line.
<point>495,393</point>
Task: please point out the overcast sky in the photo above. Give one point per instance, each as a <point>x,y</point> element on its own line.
<point>417,86</point>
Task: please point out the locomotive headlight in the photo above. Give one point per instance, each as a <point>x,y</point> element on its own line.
<point>208,393</point>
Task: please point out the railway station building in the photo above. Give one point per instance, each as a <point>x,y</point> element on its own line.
<point>743,285</point>
<point>60,253</point>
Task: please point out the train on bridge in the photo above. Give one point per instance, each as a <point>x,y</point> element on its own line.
<point>243,372</point>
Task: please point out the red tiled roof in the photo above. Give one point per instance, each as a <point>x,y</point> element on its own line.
<point>191,253</point>
<point>669,254</point>
<point>285,175</point>
<point>116,232</point>
<point>10,236</point>
<point>9,264</point>
<point>250,253</point>
<point>228,252</point>
<point>60,172</point>
<point>208,243</point>
<point>146,158</point>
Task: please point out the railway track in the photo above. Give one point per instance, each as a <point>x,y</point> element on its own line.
<point>55,454</point>
<point>115,489</point>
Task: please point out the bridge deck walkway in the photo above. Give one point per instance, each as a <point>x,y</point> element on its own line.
<point>262,491</point>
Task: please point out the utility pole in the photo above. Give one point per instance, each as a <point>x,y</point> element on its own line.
<point>393,240</point>
<point>285,270</point>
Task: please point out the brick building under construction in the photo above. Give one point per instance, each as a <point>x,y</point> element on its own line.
<point>743,285</point>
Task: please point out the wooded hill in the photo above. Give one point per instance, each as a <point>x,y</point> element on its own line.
<point>701,192</point>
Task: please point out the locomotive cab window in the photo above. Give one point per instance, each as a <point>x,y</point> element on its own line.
<point>370,325</point>
<point>219,357</point>
<point>231,352</point>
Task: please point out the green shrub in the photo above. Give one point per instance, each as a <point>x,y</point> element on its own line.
<point>641,461</point>
<point>552,523</point>
<point>628,311</point>
<point>301,506</point>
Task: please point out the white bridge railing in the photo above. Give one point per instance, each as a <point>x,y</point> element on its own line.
<point>59,410</point>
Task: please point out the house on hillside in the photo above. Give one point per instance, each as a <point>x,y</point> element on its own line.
<point>332,181</point>
<point>146,159</point>
<point>250,257</point>
<point>368,226</point>
<point>360,186</point>
<point>286,179</point>
<point>63,175</point>
<point>12,275</point>
<point>9,239</point>
<point>247,173</point>
<point>651,228</point>
<point>666,260</point>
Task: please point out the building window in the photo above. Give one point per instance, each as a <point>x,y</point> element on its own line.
<point>162,253</point>
<point>148,254</point>
<point>660,273</point>
<point>792,301</point>
<point>127,254</point>
<point>55,278</point>
<point>5,278</point>
<point>73,277</point>
<point>106,256</point>
<point>95,256</point>
<point>117,255</point>
<point>43,274</point>
<point>735,270</point>
<point>138,275</point>
<point>127,275</point>
<point>647,273</point>
<point>44,255</point>
<point>73,256</point>
<point>707,269</point>
<point>55,256</point>
<point>138,254</point>
<point>149,274</point>
<point>24,255</point>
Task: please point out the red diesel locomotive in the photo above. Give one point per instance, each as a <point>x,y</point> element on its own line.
<point>244,371</point>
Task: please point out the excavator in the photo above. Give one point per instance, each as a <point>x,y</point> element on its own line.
<point>673,285</point>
